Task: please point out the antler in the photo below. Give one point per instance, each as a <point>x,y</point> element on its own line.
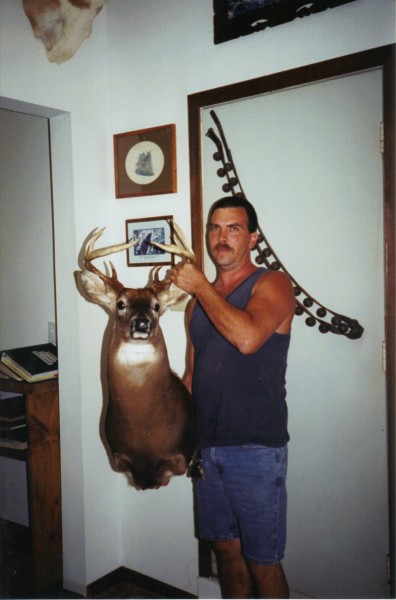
<point>91,254</point>
<point>181,246</point>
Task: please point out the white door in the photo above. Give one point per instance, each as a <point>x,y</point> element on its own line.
<point>309,159</point>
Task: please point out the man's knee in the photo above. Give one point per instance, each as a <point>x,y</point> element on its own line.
<point>227,549</point>
<point>235,577</point>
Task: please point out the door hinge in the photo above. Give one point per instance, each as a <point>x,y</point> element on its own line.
<point>382,138</point>
<point>384,356</point>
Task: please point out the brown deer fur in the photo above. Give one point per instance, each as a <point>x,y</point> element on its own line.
<point>148,423</point>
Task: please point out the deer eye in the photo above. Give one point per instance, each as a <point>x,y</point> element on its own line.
<point>120,305</point>
<point>157,307</point>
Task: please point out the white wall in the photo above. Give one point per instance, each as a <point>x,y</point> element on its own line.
<point>27,301</point>
<point>142,60</point>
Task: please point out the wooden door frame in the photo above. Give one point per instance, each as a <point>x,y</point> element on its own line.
<point>383,58</point>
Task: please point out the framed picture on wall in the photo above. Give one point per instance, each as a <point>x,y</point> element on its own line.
<point>145,162</point>
<point>153,229</point>
<point>234,18</point>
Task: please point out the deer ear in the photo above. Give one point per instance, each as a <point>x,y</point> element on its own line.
<point>121,462</point>
<point>170,296</point>
<point>97,291</point>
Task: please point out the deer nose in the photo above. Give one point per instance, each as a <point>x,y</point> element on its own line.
<point>140,325</point>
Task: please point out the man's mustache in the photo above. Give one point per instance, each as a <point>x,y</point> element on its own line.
<point>222,247</point>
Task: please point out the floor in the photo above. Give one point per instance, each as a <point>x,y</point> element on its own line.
<point>16,575</point>
<point>119,590</point>
<point>16,572</point>
<point>127,590</point>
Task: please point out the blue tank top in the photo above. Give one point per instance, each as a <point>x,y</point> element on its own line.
<point>238,399</point>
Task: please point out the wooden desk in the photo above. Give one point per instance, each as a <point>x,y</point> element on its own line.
<point>43,474</point>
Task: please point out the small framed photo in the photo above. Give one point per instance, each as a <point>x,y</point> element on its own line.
<point>146,231</point>
<point>145,162</point>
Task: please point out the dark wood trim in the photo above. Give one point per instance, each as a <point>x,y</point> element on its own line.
<point>389,101</point>
<point>382,57</point>
<point>205,558</point>
<point>123,574</point>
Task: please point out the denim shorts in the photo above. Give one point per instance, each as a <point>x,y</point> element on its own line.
<point>243,496</point>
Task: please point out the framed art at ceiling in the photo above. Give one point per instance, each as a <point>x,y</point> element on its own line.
<point>145,162</point>
<point>234,18</point>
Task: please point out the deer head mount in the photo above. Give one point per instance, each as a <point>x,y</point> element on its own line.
<point>148,423</point>
<point>62,25</point>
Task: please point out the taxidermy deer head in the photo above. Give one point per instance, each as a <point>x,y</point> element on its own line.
<point>148,422</point>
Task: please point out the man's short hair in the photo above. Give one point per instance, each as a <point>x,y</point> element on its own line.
<point>236,202</point>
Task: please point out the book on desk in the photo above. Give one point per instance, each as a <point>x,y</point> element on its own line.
<point>7,373</point>
<point>30,363</point>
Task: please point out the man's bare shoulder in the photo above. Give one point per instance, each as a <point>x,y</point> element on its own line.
<point>274,291</point>
<point>274,279</point>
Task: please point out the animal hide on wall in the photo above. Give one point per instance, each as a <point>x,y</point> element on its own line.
<point>62,25</point>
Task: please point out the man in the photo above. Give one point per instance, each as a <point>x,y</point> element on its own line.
<point>240,333</point>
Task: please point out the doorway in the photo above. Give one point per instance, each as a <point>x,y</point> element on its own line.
<point>66,315</point>
<point>338,515</point>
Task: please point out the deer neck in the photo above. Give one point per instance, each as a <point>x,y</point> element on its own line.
<point>132,363</point>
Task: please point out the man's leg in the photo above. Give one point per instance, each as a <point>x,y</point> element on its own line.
<point>256,489</point>
<point>235,577</point>
<point>270,581</point>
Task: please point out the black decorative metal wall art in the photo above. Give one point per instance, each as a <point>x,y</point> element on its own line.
<point>316,313</point>
<point>235,18</point>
